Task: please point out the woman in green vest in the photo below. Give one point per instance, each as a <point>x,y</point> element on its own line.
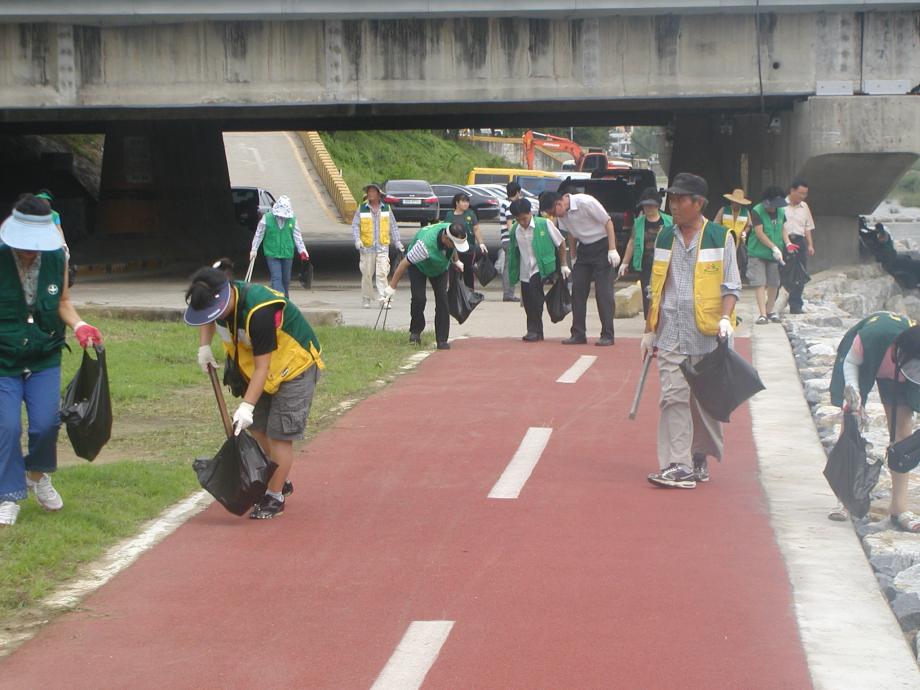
<point>428,258</point>
<point>279,358</point>
<point>35,310</point>
<point>534,247</point>
<point>282,237</point>
<point>882,350</point>
<point>462,213</point>
<point>764,252</point>
<point>640,252</point>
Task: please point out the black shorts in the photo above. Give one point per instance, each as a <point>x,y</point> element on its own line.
<point>889,390</point>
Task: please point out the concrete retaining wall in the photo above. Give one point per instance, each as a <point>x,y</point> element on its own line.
<point>329,174</point>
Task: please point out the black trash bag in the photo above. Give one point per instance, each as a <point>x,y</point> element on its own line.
<point>721,381</point>
<point>306,275</point>
<point>558,299</point>
<point>793,275</point>
<point>484,270</point>
<point>847,471</point>
<point>233,377</point>
<point>238,475</point>
<point>461,301</point>
<point>87,406</point>
<point>904,455</point>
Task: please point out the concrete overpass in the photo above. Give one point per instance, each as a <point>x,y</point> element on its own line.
<point>754,91</point>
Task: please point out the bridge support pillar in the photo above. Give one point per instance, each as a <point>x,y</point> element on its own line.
<point>165,190</point>
<point>851,150</point>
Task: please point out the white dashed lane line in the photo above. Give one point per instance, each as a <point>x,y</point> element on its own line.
<point>576,370</point>
<point>414,656</point>
<point>526,457</point>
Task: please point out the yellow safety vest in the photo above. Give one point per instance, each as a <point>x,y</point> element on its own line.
<point>367,225</point>
<point>707,277</point>
<point>735,225</point>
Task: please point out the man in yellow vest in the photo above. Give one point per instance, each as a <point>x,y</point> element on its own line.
<point>695,285</point>
<point>374,229</point>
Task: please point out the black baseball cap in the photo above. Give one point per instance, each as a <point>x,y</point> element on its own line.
<point>688,183</point>
<point>650,197</point>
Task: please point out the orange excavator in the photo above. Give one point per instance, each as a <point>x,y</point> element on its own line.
<point>585,160</point>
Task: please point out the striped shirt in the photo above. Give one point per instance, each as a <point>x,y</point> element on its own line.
<point>503,218</point>
<point>677,328</point>
<point>419,252</point>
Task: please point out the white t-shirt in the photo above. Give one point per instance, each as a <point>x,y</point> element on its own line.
<point>586,219</point>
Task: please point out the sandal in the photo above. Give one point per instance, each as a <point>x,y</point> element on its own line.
<point>761,320</point>
<point>839,513</point>
<point>906,522</point>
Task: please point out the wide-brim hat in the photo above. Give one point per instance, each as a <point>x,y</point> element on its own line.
<point>31,233</point>
<point>373,185</point>
<point>738,197</point>
<point>216,306</point>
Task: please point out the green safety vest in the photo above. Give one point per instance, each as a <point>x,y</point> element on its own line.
<point>772,228</point>
<point>876,333</point>
<point>34,346</point>
<point>438,260</point>
<point>466,219</point>
<point>298,347</point>
<point>543,250</point>
<point>639,242</point>
<point>279,241</point>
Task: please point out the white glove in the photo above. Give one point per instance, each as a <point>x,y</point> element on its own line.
<point>458,265</point>
<point>483,248</point>
<point>401,247</point>
<point>388,293</point>
<point>359,245</point>
<point>566,271</point>
<point>852,398</point>
<point>613,257</point>
<point>725,327</point>
<point>242,418</point>
<point>206,357</point>
<point>252,254</point>
<point>647,344</point>
<point>778,255</point>
<point>622,271</point>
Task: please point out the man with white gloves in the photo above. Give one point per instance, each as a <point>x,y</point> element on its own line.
<point>692,307</point>
<point>534,246</point>
<point>585,220</point>
<point>374,229</point>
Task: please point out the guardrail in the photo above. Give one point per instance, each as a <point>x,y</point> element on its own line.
<point>329,174</point>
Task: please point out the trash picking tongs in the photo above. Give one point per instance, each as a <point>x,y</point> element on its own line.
<point>221,403</point>
<point>384,307</point>
<point>635,406</point>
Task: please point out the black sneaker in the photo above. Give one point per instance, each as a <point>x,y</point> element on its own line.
<point>574,340</point>
<point>268,508</point>
<point>415,338</point>
<point>700,467</point>
<point>443,346</point>
<point>774,317</point>
<point>287,489</point>
<point>674,476</point>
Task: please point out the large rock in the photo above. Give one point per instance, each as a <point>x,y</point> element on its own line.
<point>628,301</point>
<point>891,551</point>
<point>906,609</point>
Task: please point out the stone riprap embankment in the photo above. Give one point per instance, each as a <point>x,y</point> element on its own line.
<point>836,300</point>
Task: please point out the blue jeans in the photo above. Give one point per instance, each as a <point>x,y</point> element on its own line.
<point>41,393</point>
<point>280,272</point>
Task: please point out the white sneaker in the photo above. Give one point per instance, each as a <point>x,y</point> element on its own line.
<point>9,511</point>
<point>365,302</point>
<point>47,495</point>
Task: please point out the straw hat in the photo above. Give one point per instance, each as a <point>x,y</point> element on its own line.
<point>738,197</point>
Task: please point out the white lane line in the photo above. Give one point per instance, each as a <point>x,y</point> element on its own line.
<point>414,656</point>
<point>518,471</point>
<point>575,371</point>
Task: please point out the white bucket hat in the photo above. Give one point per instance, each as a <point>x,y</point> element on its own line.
<point>30,233</point>
<point>282,208</point>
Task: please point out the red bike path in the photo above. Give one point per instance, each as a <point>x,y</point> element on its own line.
<point>592,578</point>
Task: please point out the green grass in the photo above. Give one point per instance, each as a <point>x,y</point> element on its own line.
<point>395,155</point>
<point>164,416</point>
<point>907,191</point>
